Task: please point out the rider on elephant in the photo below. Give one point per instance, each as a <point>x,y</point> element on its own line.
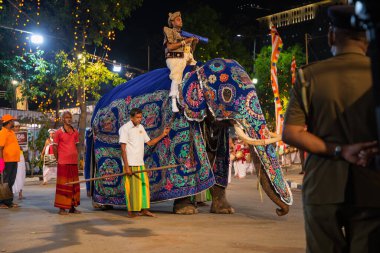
<point>178,54</point>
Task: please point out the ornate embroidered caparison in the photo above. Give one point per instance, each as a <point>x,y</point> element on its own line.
<point>220,86</point>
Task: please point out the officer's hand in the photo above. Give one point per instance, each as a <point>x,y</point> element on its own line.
<point>360,153</point>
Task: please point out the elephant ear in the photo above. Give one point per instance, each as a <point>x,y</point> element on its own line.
<point>192,98</point>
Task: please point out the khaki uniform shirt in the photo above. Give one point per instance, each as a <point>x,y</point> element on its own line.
<point>173,35</point>
<point>341,110</point>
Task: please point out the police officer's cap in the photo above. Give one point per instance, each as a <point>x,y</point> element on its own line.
<point>340,17</point>
<point>172,16</point>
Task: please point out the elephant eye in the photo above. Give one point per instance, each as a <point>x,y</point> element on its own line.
<point>227,93</point>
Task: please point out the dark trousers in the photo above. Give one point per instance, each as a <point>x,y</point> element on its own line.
<point>338,228</point>
<point>9,175</point>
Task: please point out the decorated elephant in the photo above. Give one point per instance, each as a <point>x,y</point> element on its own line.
<point>213,97</point>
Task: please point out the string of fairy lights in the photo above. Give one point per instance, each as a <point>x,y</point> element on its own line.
<point>27,11</point>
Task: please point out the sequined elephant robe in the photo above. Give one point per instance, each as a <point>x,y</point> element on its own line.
<point>221,87</point>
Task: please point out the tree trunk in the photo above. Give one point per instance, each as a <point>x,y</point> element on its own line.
<point>81,99</point>
<point>57,108</point>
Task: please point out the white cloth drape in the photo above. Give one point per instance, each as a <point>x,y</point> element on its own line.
<point>20,176</point>
<point>48,172</point>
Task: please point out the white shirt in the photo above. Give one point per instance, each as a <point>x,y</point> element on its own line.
<point>134,137</point>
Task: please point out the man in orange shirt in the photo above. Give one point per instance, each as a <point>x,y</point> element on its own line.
<point>9,157</point>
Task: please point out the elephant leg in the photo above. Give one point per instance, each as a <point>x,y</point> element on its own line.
<point>102,207</point>
<point>184,206</point>
<point>220,204</point>
<point>269,190</point>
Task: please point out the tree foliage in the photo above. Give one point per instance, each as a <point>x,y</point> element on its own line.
<point>88,74</point>
<point>264,87</point>
<point>66,24</point>
<point>27,70</point>
<point>205,21</point>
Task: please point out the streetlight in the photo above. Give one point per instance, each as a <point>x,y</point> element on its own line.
<point>14,85</point>
<point>255,80</point>
<point>37,39</point>
<point>116,68</point>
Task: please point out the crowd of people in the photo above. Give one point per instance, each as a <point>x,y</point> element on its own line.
<point>333,98</point>
<point>13,160</point>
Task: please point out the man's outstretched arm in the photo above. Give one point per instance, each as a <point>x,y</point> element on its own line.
<point>158,138</point>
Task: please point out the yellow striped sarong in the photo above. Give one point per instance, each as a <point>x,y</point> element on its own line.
<point>137,193</point>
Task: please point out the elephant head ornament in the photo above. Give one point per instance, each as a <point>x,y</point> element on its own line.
<point>224,88</point>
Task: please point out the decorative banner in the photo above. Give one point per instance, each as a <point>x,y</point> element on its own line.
<point>276,49</point>
<point>293,68</point>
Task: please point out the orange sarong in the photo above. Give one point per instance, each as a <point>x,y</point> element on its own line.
<point>67,196</point>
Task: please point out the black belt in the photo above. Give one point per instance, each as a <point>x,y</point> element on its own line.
<point>174,55</point>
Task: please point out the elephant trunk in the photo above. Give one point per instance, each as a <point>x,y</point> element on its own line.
<point>269,190</point>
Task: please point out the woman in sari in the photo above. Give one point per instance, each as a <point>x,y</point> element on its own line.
<point>47,155</point>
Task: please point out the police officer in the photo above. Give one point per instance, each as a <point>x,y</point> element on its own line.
<point>334,98</point>
<point>178,53</point>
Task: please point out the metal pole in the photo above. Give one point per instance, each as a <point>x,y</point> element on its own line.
<point>254,56</point>
<point>306,47</point>
<point>15,97</point>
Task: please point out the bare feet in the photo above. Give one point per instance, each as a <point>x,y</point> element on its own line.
<point>132,215</point>
<point>14,205</point>
<point>62,212</point>
<point>44,183</point>
<point>145,212</point>
<point>73,210</point>
<point>2,206</point>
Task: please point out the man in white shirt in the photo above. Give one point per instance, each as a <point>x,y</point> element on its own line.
<point>132,139</point>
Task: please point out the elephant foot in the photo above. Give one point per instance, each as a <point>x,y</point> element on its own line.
<point>184,206</point>
<point>96,205</point>
<point>101,207</point>
<point>220,204</point>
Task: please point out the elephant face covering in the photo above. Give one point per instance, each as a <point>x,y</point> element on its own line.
<point>224,87</point>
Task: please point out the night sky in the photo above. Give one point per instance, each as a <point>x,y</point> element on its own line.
<point>144,26</point>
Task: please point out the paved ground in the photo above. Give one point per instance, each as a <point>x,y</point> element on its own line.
<point>36,227</point>
<point>293,177</point>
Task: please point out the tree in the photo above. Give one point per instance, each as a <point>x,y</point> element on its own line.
<point>27,70</point>
<point>86,76</point>
<point>72,26</point>
<point>264,87</point>
<point>68,25</point>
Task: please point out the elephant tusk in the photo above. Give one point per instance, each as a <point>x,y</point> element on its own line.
<point>262,142</point>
